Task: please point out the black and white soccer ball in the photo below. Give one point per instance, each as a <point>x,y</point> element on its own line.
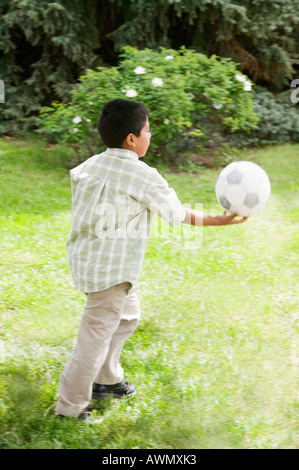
<point>243,187</point>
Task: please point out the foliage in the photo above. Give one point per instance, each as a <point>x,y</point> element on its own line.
<point>279,120</point>
<point>261,35</point>
<point>45,46</point>
<point>192,101</point>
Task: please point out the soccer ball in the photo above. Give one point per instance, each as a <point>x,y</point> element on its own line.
<point>243,187</point>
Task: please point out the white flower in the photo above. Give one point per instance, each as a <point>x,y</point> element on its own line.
<point>139,70</point>
<point>169,57</point>
<point>240,77</point>
<point>75,129</point>
<point>166,121</point>
<point>88,120</point>
<point>247,85</point>
<point>77,119</point>
<point>157,81</point>
<point>131,93</point>
<point>218,106</point>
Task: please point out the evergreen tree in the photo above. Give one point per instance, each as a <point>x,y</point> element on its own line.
<point>46,45</point>
<point>261,35</point>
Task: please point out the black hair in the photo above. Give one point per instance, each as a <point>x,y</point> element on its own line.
<point>118,118</point>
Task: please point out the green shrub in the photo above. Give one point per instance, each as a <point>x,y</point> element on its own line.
<point>279,120</point>
<point>194,102</point>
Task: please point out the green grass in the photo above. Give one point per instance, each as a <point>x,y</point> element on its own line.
<point>215,357</point>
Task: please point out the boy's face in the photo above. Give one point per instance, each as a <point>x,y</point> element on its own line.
<point>140,144</point>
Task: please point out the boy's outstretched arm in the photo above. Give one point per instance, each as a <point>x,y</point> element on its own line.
<point>197,218</point>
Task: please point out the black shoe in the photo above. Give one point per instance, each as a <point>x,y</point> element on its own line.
<point>85,416</point>
<point>119,390</point>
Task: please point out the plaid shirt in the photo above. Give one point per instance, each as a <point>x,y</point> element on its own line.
<point>114,196</point>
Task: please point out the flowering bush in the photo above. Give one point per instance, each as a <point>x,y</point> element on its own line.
<point>194,102</point>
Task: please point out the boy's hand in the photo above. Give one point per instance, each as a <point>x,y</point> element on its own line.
<point>193,217</point>
<point>230,219</point>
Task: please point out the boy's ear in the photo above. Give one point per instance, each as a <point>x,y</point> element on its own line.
<point>130,140</point>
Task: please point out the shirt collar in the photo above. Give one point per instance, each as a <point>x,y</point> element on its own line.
<point>122,153</point>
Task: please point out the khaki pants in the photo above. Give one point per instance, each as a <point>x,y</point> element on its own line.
<point>110,317</point>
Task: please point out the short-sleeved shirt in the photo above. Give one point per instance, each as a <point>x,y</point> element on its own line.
<point>114,196</point>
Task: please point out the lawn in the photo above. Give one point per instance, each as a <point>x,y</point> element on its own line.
<point>215,357</point>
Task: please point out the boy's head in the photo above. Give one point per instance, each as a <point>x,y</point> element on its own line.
<point>124,124</point>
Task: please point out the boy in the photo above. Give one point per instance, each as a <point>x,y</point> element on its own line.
<point>114,195</point>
